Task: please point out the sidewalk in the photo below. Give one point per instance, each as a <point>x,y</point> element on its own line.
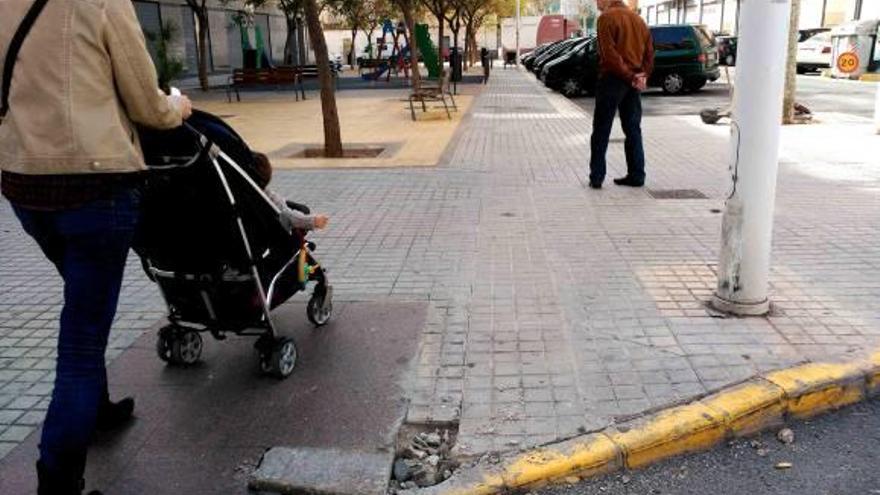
<point>552,309</point>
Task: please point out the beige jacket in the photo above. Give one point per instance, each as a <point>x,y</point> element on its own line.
<point>82,78</point>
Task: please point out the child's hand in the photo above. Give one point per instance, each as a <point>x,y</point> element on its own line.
<point>321,221</point>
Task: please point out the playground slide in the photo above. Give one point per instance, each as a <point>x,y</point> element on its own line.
<point>376,74</point>
<point>428,50</point>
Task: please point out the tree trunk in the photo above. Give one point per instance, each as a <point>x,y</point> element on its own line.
<point>332,131</point>
<point>290,42</point>
<point>370,41</point>
<point>788,100</point>
<point>352,55</point>
<point>441,20</point>
<point>410,21</point>
<point>202,19</point>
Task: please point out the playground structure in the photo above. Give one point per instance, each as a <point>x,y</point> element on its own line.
<point>399,59</point>
<point>253,56</point>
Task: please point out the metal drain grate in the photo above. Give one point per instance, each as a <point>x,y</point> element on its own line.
<point>676,194</point>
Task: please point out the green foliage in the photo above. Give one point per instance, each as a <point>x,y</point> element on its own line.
<point>168,66</point>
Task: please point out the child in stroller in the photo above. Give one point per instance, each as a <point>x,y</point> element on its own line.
<point>218,246</point>
<point>293,215</point>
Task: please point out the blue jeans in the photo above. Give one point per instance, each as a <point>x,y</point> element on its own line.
<point>612,95</point>
<point>89,246</point>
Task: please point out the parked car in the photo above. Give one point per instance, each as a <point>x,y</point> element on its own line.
<point>814,53</point>
<point>552,53</point>
<point>529,58</point>
<point>805,34</point>
<point>685,58</point>
<point>727,45</point>
<point>727,49</point>
<point>576,72</point>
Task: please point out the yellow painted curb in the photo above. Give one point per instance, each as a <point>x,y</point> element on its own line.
<point>812,389</point>
<point>740,410</point>
<point>871,77</point>
<point>750,407</point>
<point>676,431</point>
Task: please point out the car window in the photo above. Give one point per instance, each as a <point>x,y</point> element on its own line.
<point>706,38</point>
<point>823,37</point>
<point>676,38</point>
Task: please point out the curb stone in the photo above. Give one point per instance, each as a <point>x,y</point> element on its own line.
<point>741,410</point>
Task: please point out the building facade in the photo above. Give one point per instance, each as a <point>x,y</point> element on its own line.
<point>224,34</point>
<point>722,16</point>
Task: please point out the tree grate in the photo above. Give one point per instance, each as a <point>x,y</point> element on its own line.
<point>676,194</point>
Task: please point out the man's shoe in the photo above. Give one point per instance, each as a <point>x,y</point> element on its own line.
<point>628,181</point>
<point>112,415</point>
<point>66,482</point>
<point>595,185</point>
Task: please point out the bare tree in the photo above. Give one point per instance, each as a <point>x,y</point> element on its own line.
<point>439,9</point>
<point>332,131</point>
<point>453,18</point>
<point>474,13</point>
<point>355,13</point>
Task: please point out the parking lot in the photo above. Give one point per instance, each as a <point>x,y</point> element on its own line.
<point>819,94</point>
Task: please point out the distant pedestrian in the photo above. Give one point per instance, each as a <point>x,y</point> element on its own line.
<point>486,62</point>
<point>71,166</point>
<point>626,54</point>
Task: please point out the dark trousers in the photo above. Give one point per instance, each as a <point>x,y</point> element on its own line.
<point>614,95</point>
<point>89,246</point>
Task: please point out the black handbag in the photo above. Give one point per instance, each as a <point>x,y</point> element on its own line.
<point>12,55</point>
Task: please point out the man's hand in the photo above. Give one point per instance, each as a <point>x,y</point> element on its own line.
<point>182,104</point>
<point>321,221</point>
<point>640,81</point>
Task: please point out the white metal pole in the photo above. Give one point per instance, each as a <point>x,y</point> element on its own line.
<point>517,31</point>
<point>747,228</point>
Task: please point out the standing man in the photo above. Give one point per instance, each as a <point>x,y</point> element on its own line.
<point>71,167</point>
<point>626,54</point>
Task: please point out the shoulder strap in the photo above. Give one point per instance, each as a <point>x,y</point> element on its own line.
<point>14,47</point>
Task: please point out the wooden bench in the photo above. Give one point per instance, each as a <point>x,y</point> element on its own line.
<point>278,77</point>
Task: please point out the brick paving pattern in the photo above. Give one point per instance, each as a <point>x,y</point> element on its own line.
<point>554,309</point>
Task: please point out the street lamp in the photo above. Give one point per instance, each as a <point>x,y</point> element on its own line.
<point>517,32</point>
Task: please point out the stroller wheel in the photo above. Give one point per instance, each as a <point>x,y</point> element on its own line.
<point>186,348</point>
<point>163,343</point>
<point>319,311</point>
<point>279,360</point>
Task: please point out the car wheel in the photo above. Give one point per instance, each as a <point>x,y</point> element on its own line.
<point>697,84</point>
<point>673,84</point>
<point>730,60</point>
<point>571,88</point>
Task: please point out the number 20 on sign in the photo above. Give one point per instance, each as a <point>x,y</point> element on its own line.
<point>848,62</point>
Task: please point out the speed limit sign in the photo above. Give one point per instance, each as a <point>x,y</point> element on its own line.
<point>848,62</point>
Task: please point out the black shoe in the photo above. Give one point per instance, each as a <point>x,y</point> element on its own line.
<point>627,181</point>
<point>595,185</point>
<point>112,415</point>
<point>65,482</point>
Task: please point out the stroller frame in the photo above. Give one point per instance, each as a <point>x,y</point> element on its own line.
<point>180,341</point>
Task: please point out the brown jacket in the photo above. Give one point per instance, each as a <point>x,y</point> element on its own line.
<point>625,44</point>
<point>82,78</point>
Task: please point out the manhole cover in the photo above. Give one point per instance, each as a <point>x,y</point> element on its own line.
<point>676,194</point>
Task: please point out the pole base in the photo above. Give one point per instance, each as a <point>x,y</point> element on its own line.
<point>740,308</point>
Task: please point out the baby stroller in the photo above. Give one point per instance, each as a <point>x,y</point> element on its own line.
<point>211,239</point>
